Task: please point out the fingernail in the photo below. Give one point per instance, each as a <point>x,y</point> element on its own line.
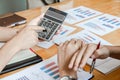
<point>43,28</point>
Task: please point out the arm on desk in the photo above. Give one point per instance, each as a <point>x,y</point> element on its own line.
<point>89,50</point>
<point>114,51</point>
<point>7,33</point>
<point>25,39</point>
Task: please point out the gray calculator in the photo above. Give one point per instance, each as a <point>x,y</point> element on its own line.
<point>51,21</point>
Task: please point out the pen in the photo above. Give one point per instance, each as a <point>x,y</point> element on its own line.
<point>94,60</point>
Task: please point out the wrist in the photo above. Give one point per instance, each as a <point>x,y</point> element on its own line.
<point>69,72</point>
<point>67,78</point>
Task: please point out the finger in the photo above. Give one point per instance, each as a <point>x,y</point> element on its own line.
<point>36,28</point>
<point>65,45</point>
<point>102,53</point>
<point>79,56</point>
<point>78,43</point>
<point>61,44</point>
<point>89,51</point>
<point>73,41</point>
<point>72,60</point>
<point>40,40</point>
<point>60,49</point>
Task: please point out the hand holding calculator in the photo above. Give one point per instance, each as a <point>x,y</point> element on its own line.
<point>51,21</point>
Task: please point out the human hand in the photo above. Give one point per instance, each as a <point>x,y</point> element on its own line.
<point>65,52</point>
<point>87,50</point>
<point>27,37</point>
<point>36,20</point>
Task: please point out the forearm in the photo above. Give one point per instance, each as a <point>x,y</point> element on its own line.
<point>6,53</point>
<point>7,33</point>
<point>114,51</point>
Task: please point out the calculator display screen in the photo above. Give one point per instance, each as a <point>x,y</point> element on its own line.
<point>57,14</point>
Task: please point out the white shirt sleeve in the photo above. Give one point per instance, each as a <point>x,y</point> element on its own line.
<point>83,75</point>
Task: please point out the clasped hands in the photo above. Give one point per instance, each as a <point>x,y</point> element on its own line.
<point>74,54</point>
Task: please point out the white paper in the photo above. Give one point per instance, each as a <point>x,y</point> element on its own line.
<point>83,75</point>
<point>45,70</point>
<point>85,36</point>
<point>108,66</point>
<point>80,13</point>
<point>101,25</point>
<point>99,61</point>
<point>63,31</point>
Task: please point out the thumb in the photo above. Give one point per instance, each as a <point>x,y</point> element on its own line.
<point>95,55</point>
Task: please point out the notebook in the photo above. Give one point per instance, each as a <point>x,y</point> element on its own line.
<point>21,59</point>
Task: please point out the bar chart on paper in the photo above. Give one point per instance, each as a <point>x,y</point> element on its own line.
<point>46,70</point>
<point>85,36</point>
<point>23,78</point>
<point>51,69</point>
<point>80,13</point>
<point>101,25</point>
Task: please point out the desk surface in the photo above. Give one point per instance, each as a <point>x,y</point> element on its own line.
<point>105,6</point>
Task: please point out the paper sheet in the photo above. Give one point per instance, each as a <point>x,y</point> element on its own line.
<point>63,31</point>
<point>45,70</point>
<point>84,35</point>
<point>83,75</point>
<point>105,65</point>
<point>109,66</point>
<point>101,25</point>
<point>80,13</point>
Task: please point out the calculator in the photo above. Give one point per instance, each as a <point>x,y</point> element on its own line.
<point>51,21</point>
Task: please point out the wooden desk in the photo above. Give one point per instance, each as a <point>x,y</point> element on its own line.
<point>105,6</point>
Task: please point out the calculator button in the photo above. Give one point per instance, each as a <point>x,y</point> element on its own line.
<point>44,24</point>
<point>44,19</point>
<point>48,36</point>
<point>41,23</point>
<point>50,25</point>
<point>56,25</point>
